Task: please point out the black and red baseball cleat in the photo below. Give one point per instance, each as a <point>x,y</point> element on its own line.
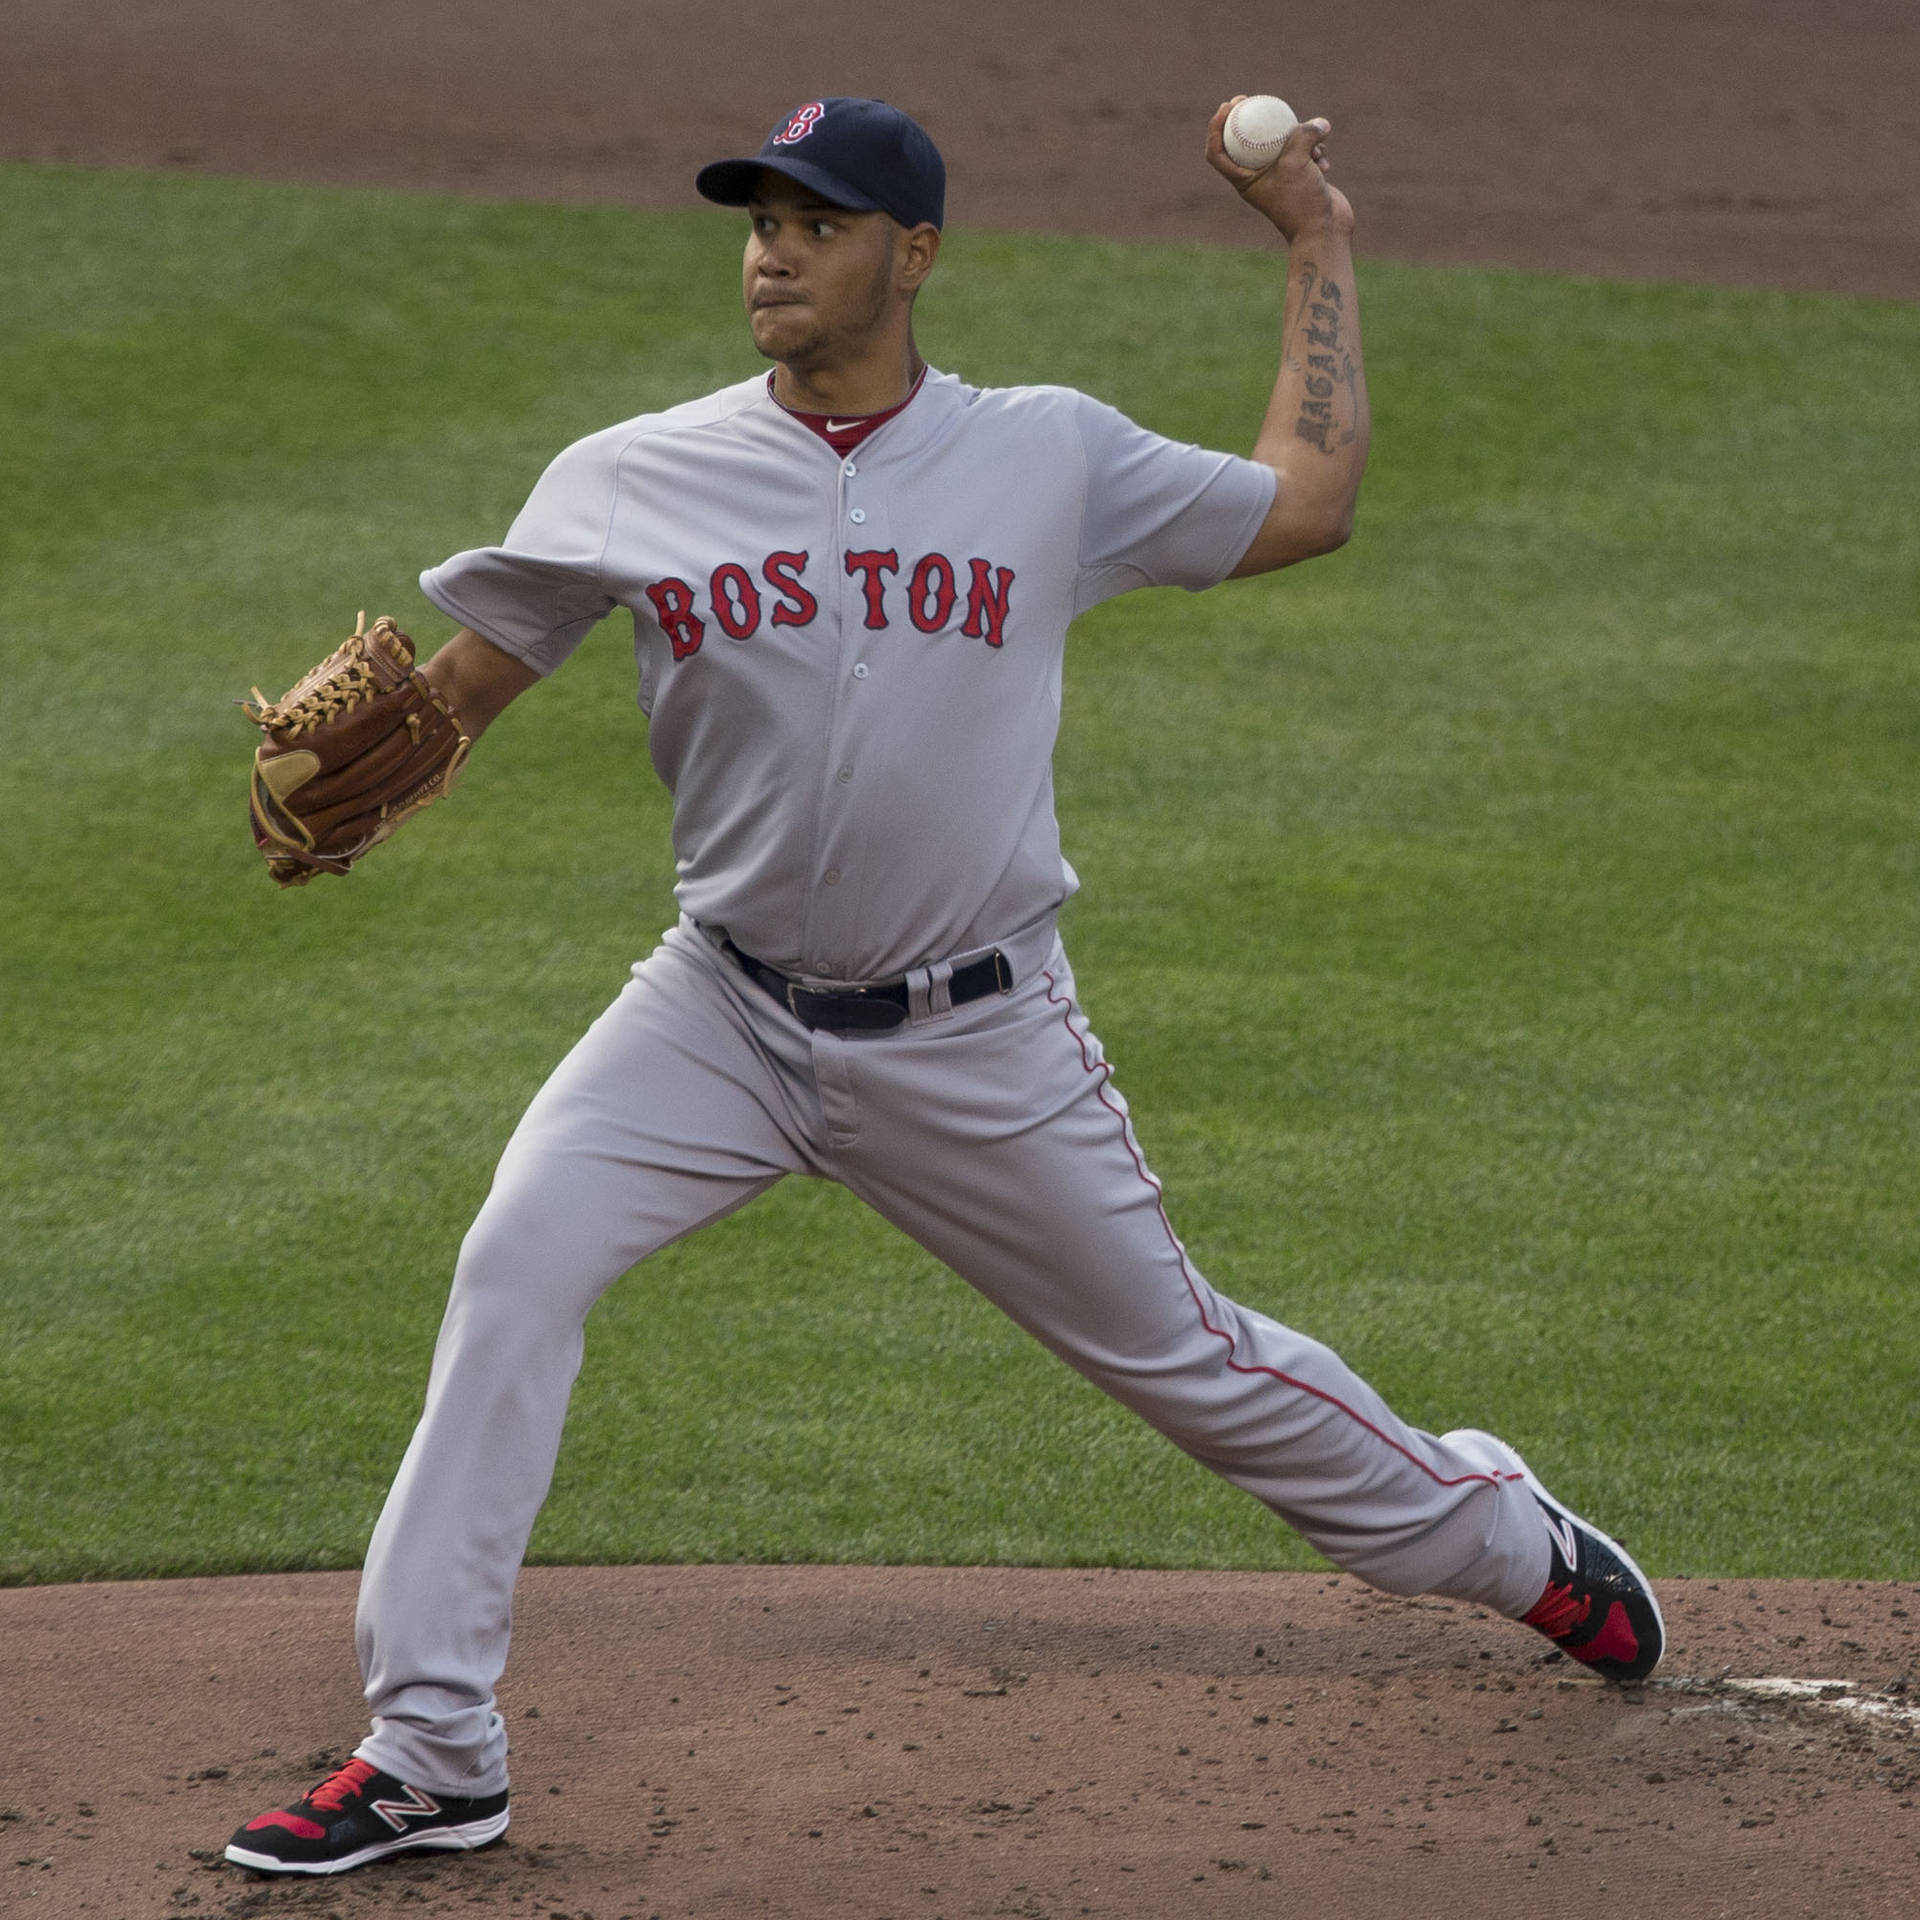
<point>360,1814</point>
<point>1598,1607</point>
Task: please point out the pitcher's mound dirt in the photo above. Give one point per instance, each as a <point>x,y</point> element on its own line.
<point>911,1742</point>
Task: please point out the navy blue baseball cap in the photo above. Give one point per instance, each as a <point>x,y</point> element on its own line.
<point>859,154</point>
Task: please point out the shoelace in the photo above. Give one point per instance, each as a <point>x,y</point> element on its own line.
<point>1559,1612</point>
<point>341,1786</point>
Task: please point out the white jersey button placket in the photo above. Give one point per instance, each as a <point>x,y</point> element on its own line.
<point>831,881</point>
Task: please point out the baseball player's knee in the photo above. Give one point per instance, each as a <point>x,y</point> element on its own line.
<point>530,1254</point>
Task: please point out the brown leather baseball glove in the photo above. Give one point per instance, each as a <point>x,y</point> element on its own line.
<point>359,745</point>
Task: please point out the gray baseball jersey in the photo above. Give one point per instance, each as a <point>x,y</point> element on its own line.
<point>852,667</point>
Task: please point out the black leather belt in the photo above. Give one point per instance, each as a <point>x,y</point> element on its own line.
<point>875,1009</point>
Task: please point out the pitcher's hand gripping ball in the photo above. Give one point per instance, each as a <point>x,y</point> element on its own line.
<point>358,746</point>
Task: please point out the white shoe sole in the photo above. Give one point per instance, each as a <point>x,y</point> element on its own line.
<point>476,1833</point>
<point>1505,1459</point>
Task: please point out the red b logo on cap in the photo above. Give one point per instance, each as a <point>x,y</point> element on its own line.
<point>801,124</point>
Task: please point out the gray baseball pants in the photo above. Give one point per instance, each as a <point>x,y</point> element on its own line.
<point>990,1133</point>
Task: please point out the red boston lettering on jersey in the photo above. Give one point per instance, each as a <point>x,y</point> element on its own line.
<point>673,608</point>
<point>931,592</point>
<point>987,602</point>
<point>782,572</point>
<point>871,565</point>
<point>736,600</point>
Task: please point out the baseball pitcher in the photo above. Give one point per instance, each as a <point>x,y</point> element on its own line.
<point>851,580</point>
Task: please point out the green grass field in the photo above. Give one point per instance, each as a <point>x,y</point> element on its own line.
<point>1505,929</point>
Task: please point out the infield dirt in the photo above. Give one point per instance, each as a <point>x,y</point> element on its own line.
<point>1755,142</point>
<point>906,1742</point>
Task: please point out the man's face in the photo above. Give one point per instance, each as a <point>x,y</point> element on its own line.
<point>816,277</point>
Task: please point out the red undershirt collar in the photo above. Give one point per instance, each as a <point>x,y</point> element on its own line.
<point>844,432</point>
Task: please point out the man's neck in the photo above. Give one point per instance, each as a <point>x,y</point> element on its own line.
<point>869,385</point>
<point>848,433</point>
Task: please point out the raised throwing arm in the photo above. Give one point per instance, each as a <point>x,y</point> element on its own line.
<point>1315,434</point>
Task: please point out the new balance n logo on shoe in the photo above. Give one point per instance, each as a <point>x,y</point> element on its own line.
<point>1566,1542</point>
<point>396,1813</point>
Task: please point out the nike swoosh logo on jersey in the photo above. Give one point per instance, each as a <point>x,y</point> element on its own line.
<point>416,1806</point>
<point>840,426</point>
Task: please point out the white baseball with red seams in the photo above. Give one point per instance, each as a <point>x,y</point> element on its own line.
<point>851,663</point>
<point>1256,130</point>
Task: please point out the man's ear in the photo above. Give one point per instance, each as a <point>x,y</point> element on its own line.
<point>921,248</point>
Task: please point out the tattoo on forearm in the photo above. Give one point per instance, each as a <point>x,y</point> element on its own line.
<point>1330,412</point>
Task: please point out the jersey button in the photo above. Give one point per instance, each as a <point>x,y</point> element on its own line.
<point>858,516</point>
<point>849,469</point>
<point>860,670</point>
<point>833,876</point>
<point>846,774</point>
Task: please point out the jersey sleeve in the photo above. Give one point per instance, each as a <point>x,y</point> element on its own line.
<point>540,593</point>
<point>1160,513</point>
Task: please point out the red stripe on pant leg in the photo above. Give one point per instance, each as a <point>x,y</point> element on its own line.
<point>1104,1073</point>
